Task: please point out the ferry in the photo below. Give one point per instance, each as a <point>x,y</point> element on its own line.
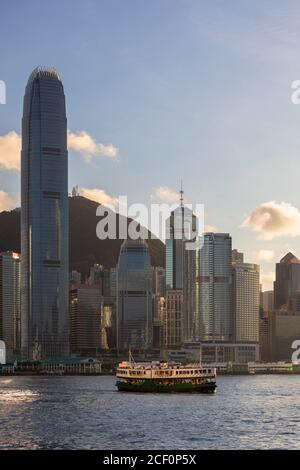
<point>165,377</point>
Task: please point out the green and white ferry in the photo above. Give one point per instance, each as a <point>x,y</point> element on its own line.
<point>165,377</point>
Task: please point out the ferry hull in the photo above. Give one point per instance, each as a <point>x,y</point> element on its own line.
<point>152,386</point>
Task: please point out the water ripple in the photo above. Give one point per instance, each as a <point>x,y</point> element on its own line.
<point>88,413</point>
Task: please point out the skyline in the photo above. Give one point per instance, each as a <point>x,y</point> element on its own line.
<point>226,114</point>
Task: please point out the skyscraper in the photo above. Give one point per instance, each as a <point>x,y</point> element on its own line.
<point>44,218</point>
<point>181,266</point>
<point>267,300</point>
<point>237,257</point>
<point>10,302</point>
<point>172,327</point>
<point>85,319</point>
<point>246,302</point>
<point>287,280</point>
<point>134,296</point>
<point>215,283</point>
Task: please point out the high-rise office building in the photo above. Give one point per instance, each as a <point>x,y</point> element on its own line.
<point>108,323</point>
<point>85,319</point>
<point>215,284</point>
<point>284,329</point>
<point>113,282</point>
<point>75,277</point>
<point>134,296</point>
<point>159,289</point>
<point>10,302</point>
<point>237,257</point>
<point>181,266</point>
<point>287,280</point>
<point>44,218</point>
<point>172,327</point>
<point>245,288</point>
<point>267,300</point>
<point>159,281</point>
<point>101,277</point>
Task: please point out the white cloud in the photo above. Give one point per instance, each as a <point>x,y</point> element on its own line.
<point>10,151</point>
<point>165,194</point>
<point>272,219</point>
<point>267,279</point>
<point>99,195</point>
<point>83,143</point>
<point>210,228</point>
<point>265,255</point>
<point>7,202</point>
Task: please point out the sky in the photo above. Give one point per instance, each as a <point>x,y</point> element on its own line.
<point>163,90</point>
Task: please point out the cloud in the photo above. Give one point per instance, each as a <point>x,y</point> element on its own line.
<point>83,143</point>
<point>99,195</point>
<point>10,151</point>
<point>7,202</point>
<point>265,255</point>
<point>267,279</point>
<point>210,228</point>
<point>165,194</point>
<point>272,219</point>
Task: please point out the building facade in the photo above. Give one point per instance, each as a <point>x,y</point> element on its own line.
<point>101,277</point>
<point>85,320</point>
<point>134,277</point>
<point>172,327</point>
<point>44,218</point>
<point>10,328</point>
<point>181,266</point>
<point>215,286</point>
<point>267,300</point>
<point>287,280</point>
<point>246,296</point>
<point>237,257</point>
<point>284,329</point>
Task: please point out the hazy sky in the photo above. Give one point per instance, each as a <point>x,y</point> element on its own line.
<point>159,90</point>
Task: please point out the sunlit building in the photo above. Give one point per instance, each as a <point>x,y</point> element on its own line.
<point>172,328</point>
<point>215,281</point>
<point>245,288</point>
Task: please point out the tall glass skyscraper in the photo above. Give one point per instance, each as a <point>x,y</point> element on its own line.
<point>215,283</point>
<point>181,267</point>
<point>44,218</point>
<point>134,296</point>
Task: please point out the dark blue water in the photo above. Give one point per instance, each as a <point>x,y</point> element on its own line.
<point>88,413</point>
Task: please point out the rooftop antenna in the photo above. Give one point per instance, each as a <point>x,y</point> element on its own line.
<point>181,194</point>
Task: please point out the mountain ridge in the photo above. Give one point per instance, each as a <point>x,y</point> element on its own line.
<point>85,249</point>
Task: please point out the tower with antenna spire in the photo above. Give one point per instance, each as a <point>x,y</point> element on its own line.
<point>181,266</point>
<point>181,192</point>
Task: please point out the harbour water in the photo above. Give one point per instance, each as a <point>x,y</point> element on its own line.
<point>247,412</point>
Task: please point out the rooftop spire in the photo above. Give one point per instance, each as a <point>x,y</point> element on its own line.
<point>181,192</point>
